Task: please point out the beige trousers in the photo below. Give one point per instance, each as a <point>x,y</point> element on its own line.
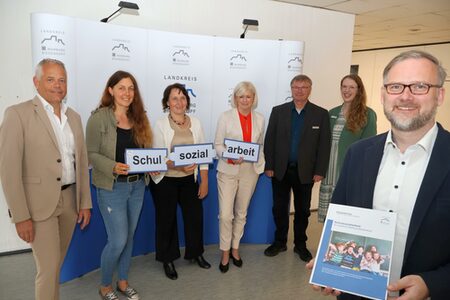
<point>51,241</point>
<point>235,193</point>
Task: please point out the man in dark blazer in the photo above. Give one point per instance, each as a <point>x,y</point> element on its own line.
<point>297,150</point>
<point>44,173</point>
<point>407,170</point>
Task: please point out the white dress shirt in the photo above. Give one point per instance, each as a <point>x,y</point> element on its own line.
<point>399,179</point>
<point>65,138</point>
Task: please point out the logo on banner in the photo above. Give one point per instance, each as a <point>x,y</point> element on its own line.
<point>181,57</point>
<point>120,50</point>
<point>294,64</point>
<point>53,42</point>
<point>192,94</point>
<point>238,61</point>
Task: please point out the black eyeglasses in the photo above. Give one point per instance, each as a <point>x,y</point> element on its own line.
<point>418,88</point>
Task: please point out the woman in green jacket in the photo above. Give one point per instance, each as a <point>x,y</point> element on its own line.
<point>119,123</point>
<point>351,121</point>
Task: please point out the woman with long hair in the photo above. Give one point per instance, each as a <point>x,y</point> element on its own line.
<point>351,121</point>
<point>120,122</point>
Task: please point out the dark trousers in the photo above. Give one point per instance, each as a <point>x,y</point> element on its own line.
<point>302,203</point>
<point>169,192</point>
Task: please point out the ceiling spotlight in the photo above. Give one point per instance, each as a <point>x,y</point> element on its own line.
<point>248,22</point>
<point>122,4</point>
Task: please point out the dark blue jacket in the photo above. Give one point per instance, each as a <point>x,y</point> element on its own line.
<point>427,251</point>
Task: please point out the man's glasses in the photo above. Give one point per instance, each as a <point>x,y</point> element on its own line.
<point>297,88</point>
<point>418,88</point>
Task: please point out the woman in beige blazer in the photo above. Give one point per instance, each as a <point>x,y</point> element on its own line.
<point>236,179</point>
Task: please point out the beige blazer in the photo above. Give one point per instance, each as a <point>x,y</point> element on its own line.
<point>30,162</point>
<point>229,126</point>
<point>163,136</point>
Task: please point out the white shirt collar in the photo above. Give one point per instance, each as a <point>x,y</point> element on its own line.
<point>48,106</point>
<point>426,142</point>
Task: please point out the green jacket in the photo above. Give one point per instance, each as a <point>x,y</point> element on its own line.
<point>347,137</point>
<point>101,139</point>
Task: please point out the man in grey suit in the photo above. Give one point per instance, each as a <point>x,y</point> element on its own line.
<point>297,150</point>
<point>44,173</point>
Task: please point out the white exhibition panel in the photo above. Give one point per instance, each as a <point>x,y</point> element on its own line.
<point>183,58</point>
<point>100,51</point>
<point>208,66</point>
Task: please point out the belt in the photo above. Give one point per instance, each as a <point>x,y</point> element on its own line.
<point>129,178</point>
<point>63,187</point>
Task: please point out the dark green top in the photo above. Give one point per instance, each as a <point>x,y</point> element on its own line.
<point>347,137</point>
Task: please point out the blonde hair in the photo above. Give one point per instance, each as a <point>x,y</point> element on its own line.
<point>240,89</point>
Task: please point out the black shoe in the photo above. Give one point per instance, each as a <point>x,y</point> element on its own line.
<point>274,249</point>
<point>236,262</point>
<point>224,268</point>
<point>304,253</point>
<point>169,269</point>
<point>201,262</point>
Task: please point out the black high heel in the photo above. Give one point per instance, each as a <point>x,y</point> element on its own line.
<point>237,262</point>
<point>224,268</point>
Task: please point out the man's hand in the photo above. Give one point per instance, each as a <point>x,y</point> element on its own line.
<point>25,230</point>
<point>414,286</point>
<point>317,178</point>
<point>84,216</point>
<point>269,173</point>
<point>325,291</point>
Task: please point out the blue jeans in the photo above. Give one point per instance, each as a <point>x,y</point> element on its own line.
<point>120,209</point>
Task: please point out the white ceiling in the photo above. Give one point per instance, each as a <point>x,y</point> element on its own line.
<point>392,23</point>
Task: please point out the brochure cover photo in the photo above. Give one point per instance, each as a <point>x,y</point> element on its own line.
<point>355,251</point>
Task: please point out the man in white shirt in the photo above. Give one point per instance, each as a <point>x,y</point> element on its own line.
<point>44,173</point>
<point>407,170</point>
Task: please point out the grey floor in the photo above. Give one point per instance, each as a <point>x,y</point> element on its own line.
<point>280,277</point>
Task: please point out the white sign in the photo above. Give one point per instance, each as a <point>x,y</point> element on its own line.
<point>184,155</point>
<point>146,160</point>
<point>236,149</point>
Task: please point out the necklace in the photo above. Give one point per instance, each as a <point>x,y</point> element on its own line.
<point>176,122</point>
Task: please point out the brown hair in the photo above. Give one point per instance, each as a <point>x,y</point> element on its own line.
<point>166,94</point>
<point>136,113</point>
<point>416,54</point>
<point>357,113</point>
<point>301,78</point>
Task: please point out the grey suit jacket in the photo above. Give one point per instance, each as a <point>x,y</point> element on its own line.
<point>314,147</point>
<point>30,162</point>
